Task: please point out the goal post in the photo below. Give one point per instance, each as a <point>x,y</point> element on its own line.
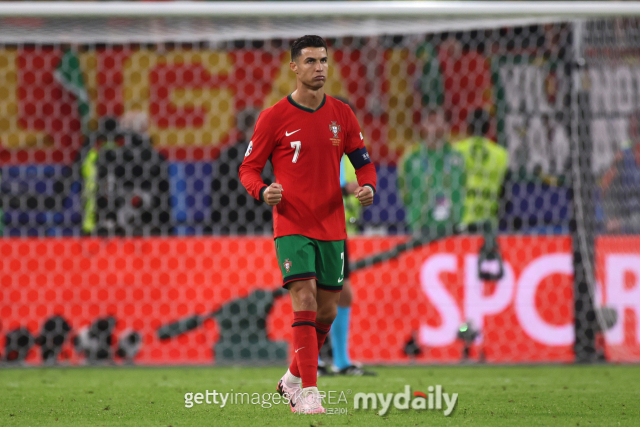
<point>519,220</point>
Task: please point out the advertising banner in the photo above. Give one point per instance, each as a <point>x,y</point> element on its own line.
<point>426,295</point>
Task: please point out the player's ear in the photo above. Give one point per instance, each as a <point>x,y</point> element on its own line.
<point>293,66</point>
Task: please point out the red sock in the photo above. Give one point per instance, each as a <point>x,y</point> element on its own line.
<point>293,368</point>
<point>306,349</point>
<point>322,330</point>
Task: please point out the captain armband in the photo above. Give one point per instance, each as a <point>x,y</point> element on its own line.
<point>359,157</point>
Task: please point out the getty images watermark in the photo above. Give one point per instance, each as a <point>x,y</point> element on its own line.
<point>434,399</point>
<point>266,400</point>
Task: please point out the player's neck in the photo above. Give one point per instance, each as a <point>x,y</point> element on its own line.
<point>308,98</point>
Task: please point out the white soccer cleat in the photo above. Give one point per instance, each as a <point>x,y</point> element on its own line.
<point>309,402</point>
<point>291,389</point>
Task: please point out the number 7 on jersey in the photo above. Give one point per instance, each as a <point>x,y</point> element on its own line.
<point>296,145</point>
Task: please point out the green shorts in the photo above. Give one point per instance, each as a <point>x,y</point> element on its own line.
<point>303,258</point>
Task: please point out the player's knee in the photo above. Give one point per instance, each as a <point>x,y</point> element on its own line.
<point>327,314</point>
<point>306,301</point>
<point>346,297</point>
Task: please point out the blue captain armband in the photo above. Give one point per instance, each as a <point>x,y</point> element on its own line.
<point>359,157</point>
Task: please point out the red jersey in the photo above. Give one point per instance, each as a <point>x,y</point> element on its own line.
<point>305,148</point>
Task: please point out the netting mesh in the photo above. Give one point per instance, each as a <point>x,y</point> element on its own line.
<point>504,227</point>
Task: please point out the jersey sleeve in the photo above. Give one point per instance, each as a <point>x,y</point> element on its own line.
<point>260,147</point>
<point>358,155</point>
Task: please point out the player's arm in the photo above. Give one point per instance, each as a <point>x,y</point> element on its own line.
<point>260,148</point>
<point>359,158</point>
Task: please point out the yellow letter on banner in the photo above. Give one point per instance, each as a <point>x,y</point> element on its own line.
<point>184,93</point>
<point>12,135</point>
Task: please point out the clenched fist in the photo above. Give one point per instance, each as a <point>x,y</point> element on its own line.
<point>273,194</point>
<point>364,195</point>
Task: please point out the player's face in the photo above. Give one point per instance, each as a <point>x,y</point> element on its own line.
<point>311,67</point>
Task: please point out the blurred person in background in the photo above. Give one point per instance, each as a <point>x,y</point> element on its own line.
<point>486,165</point>
<point>431,179</point>
<point>233,210</point>
<point>621,185</point>
<point>126,181</point>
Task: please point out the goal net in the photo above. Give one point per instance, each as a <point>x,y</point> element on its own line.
<point>506,221</point>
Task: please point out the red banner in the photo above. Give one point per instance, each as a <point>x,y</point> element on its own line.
<point>426,293</point>
<point>618,273</point>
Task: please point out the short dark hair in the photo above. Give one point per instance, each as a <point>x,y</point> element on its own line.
<point>306,41</point>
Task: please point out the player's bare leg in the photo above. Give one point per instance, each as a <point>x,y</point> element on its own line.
<point>303,295</point>
<point>346,296</point>
<point>327,306</point>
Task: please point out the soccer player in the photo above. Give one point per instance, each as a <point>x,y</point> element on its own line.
<point>305,135</point>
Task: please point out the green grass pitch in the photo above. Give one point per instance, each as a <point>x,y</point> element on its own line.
<point>603,395</point>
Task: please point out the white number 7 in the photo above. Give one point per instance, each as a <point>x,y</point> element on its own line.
<point>296,145</point>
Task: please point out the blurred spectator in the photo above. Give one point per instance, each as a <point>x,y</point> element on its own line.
<point>233,211</point>
<point>621,185</point>
<point>431,178</point>
<point>444,185</point>
<point>126,184</point>
<point>486,165</point>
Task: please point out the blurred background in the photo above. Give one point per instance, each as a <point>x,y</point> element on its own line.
<point>508,199</point>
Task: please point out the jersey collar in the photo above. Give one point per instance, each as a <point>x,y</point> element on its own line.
<point>308,110</point>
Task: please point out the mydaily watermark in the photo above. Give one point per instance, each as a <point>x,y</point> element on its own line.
<point>434,399</point>
<point>405,400</point>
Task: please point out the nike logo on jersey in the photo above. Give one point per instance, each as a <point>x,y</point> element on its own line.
<point>340,280</point>
<point>299,349</point>
<point>289,134</point>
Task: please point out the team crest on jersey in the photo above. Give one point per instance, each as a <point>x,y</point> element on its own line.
<point>287,265</point>
<point>335,128</point>
<point>249,149</point>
